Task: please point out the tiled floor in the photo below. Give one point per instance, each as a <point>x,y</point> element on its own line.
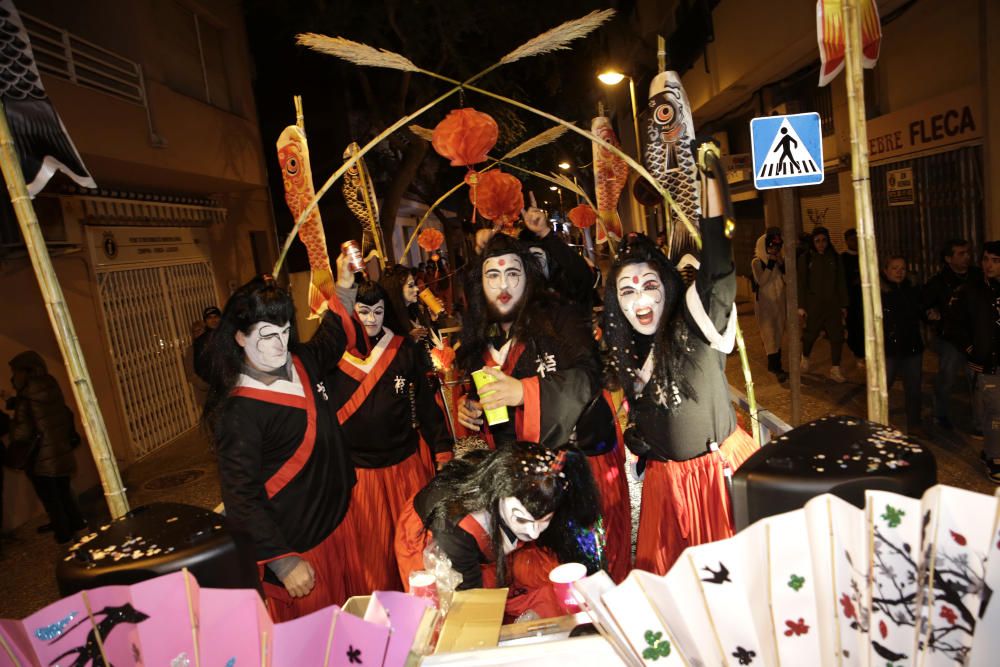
<point>185,470</point>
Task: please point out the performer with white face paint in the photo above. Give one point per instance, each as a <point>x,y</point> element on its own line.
<point>384,398</point>
<point>284,470</point>
<point>523,499</point>
<point>668,350</point>
<point>541,350</point>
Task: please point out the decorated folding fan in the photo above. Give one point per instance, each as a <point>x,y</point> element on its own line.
<point>171,621</point>
<point>903,582</point>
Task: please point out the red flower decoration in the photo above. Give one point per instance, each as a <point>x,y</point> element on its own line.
<point>498,197</point>
<point>848,606</point>
<point>582,216</point>
<point>465,136</point>
<point>959,538</point>
<point>796,628</point>
<point>948,614</point>
<point>443,357</point>
<point>430,239</point>
<point>883,630</point>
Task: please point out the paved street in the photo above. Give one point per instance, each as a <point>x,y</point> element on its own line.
<point>185,471</point>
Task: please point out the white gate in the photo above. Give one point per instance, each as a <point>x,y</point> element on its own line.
<point>148,312</point>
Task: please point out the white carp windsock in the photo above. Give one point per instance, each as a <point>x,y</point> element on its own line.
<point>610,177</point>
<point>293,157</point>
<point>668,157</point>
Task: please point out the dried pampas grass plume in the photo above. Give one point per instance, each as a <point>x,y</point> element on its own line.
<point>558,38</point>
<point>355,52</point>
<point>540,139</point>
<point>422,132</point>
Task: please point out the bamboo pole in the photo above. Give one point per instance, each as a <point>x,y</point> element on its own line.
<point>62,325</point>
<point>878,394</point>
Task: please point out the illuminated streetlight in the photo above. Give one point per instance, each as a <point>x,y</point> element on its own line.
<point>553,187</point>
<point>564,165</point>
<point>611,77</point>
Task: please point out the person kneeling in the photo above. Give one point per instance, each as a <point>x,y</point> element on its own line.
<point>535,504</point>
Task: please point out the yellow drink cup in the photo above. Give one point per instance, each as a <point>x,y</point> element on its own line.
<point>496,415</point>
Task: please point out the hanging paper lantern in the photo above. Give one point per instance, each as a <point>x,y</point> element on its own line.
<point>430,239</point>
<point>582,216</point>
<point>465,136</point>
<point>498,197</point>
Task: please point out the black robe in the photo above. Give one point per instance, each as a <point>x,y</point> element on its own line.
<point>372,400</point>
<point>685,431</point>
<point>284,469</point>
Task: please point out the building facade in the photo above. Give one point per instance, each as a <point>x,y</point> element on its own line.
<point>157,97</point>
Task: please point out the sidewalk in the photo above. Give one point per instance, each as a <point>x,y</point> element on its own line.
<point>185,470</point>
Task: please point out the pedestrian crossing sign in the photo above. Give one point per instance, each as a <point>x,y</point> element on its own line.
<point>787,151</point>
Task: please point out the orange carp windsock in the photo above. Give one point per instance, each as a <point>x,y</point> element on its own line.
<point>610,177</point>
<point>293,157</point>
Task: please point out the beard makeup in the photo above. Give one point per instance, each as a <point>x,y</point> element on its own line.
<point>372,317</point>
<point>504,282</point>
<point>266,345</point>
<point>641,296</point>
<point>525,527</point>
<point>410,291</point>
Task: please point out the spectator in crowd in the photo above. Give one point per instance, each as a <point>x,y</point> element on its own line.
<point>211,316</point>
<point>822,299</point>
<point>938,294</point>
<point>43,428</point>
<point>855,311</point>
<point>976,309</point>
<point>768,267</point>
<point>904,347</point>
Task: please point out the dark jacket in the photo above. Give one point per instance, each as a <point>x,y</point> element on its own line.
<point>939,292</point>
<point>41,413</point>
<point>975,312</point>
<point>822,286</point>
<point>901,316</point>
<point>202,363</point>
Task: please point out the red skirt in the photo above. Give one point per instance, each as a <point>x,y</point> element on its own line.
<point>331,581</point>
<point>609,475</point>
<point>685,503</point>
<point>528,569</point>
<point>379,498</point>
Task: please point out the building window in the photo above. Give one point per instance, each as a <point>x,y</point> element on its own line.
<point>196,66</point>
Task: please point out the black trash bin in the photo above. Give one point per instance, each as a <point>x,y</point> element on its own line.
<point>840,455</point>
<point>157,539</point>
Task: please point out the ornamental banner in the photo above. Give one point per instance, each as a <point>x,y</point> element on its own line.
<point>830,36</point>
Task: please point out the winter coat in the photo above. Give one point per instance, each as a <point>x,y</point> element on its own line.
<point>901,316</point>
<point>975,310</point>
<point>40,412</point>
<point>770,302</point>
<point>822,287</point>
<point>939,292</point>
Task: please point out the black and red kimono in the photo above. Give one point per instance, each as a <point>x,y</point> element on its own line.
<point>563,404</point>
<point>684,496</point>
<point>384,402</point>
<point>467,543</point>
<point>285,472</point>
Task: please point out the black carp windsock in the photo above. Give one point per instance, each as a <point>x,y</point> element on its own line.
<point>668,157</point>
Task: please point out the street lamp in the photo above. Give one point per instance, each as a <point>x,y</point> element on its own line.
<point>612,77</point>
<point>564,165</point>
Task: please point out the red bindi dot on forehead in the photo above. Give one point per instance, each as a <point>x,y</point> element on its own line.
<point>502,262</point>
<point>635,279</point>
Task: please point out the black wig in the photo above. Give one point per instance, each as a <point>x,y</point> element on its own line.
<point>393,280</point>
<point>370,293</point>
<point>625,349</point>
<point>260,300</point>
<point>545,481</point>
<point>530,314</point>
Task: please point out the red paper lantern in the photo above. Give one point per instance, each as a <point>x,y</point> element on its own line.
<point>498,197</point>
<point>465,136</point>
<point>582,216</point>
<point>430,239</point>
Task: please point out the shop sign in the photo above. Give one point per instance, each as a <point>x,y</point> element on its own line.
<point>114,246</point>
<point>950,119</point>
<point>899,186</point>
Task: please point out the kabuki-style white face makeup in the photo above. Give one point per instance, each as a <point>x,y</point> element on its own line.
<point>410,290</point>
<point>520,521</point>
<point>504,283</point>
<point>266,345</point>
<point>641,296</point>
<point>371,317</point>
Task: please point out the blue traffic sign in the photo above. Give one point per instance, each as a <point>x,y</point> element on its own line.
<point>787,151</point>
